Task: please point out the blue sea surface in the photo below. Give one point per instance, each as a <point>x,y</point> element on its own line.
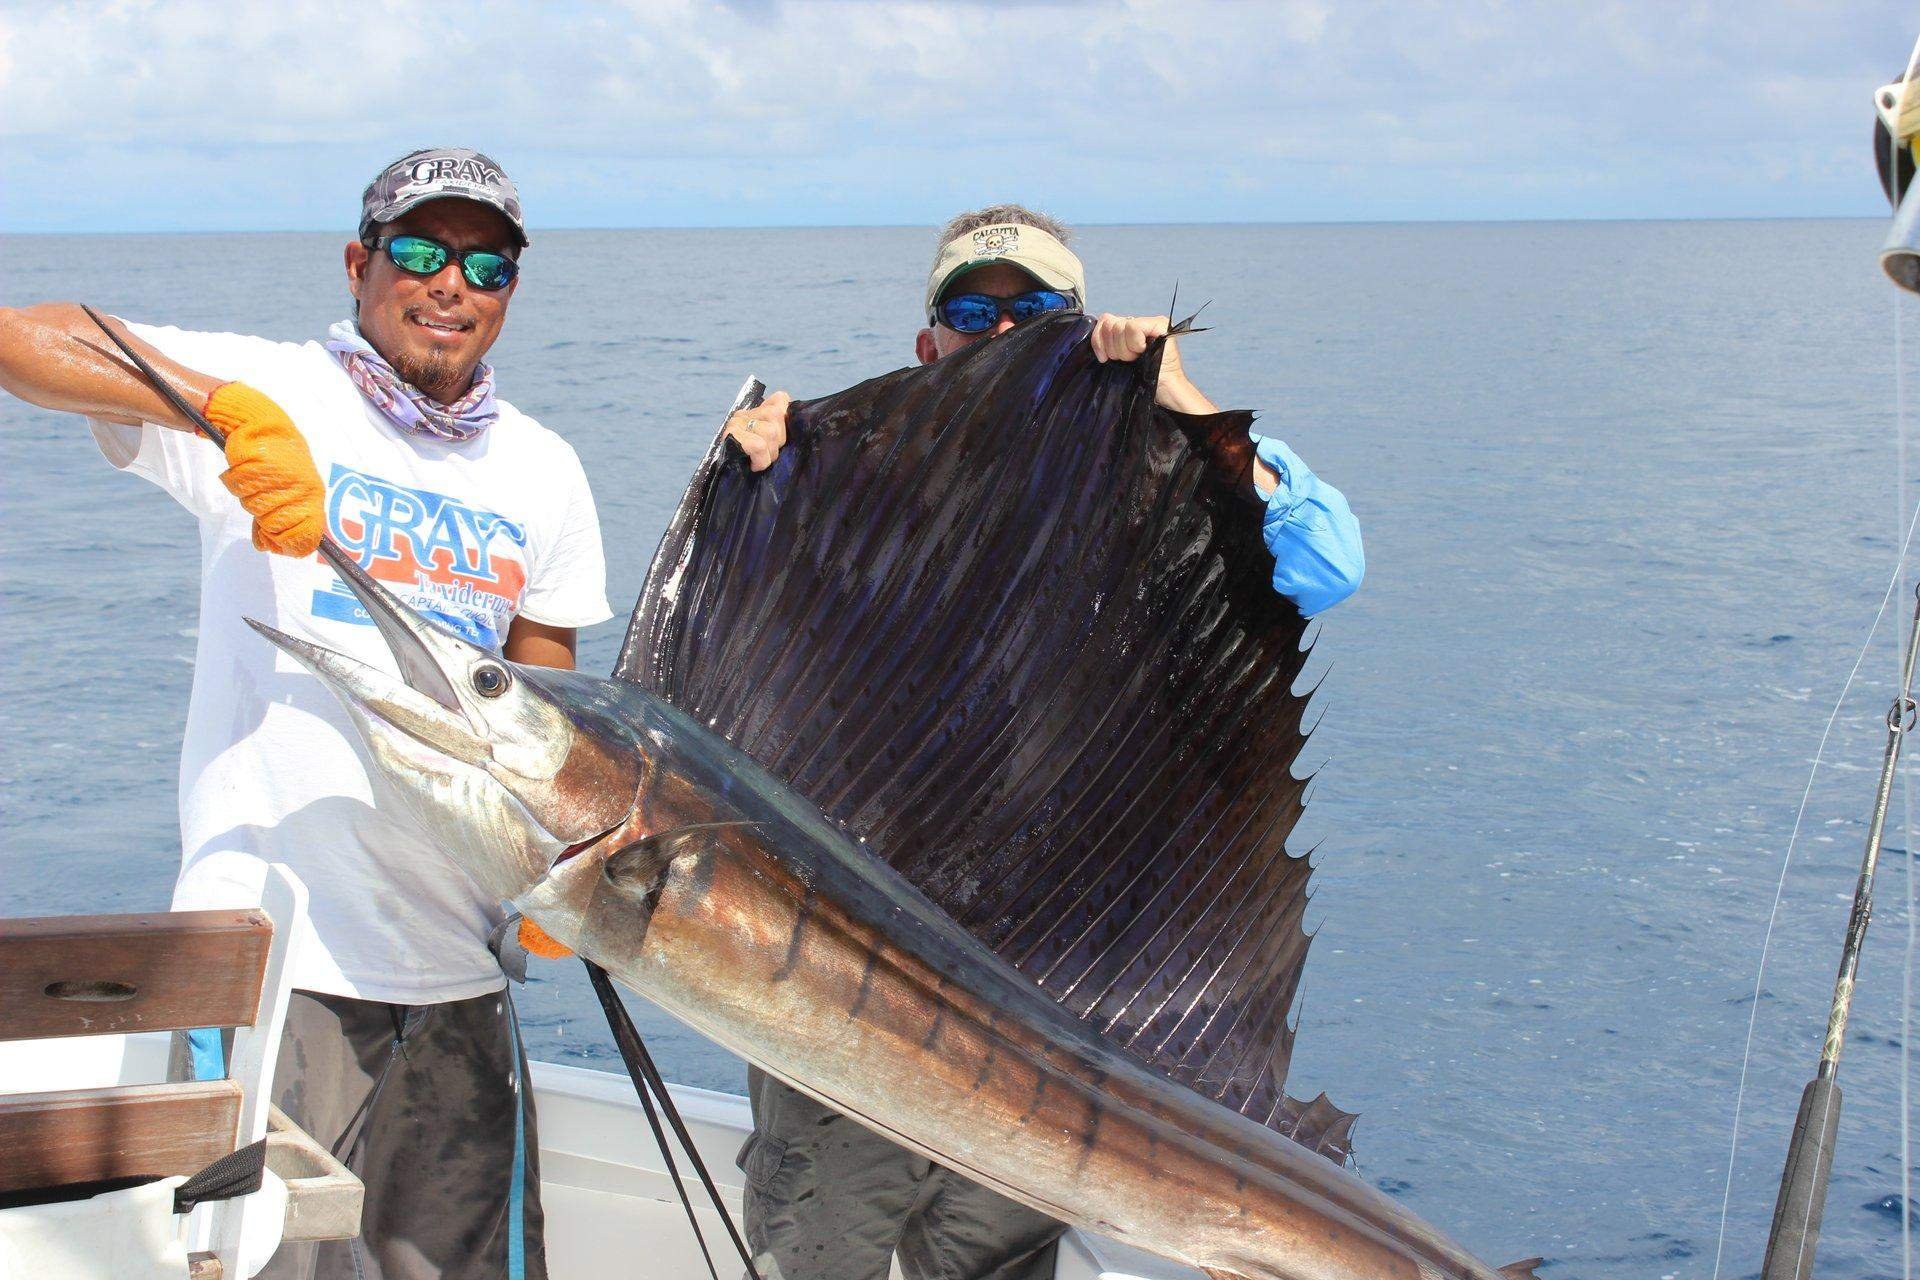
<point>1629,493</point>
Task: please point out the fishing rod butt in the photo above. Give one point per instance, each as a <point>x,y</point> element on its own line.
<point>1803,1184</point>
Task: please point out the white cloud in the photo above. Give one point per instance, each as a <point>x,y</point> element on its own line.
<point>1485,100</point>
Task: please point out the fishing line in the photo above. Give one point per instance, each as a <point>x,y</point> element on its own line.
<point>646,1077</point>
<point>1906,791</point>
<point>1779,891</point>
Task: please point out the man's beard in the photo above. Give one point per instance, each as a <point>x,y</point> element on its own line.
<point>431,373</point>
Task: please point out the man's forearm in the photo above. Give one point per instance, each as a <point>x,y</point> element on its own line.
<point>1181,396</point>
<point>54,356</point>
<point>536,644</point>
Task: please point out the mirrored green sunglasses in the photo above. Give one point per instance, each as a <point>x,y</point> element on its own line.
<point>420,256</point>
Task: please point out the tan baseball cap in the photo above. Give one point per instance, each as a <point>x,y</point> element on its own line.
<point>1035,252</point>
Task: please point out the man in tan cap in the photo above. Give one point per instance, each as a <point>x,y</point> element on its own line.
<point>827,1198</point>
<point>1005,264</point>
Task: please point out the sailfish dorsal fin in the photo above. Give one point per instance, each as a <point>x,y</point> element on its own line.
<point>1013,625</point>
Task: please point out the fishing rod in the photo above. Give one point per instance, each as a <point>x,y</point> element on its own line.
<point>1795,1233</point>
<point>646,1077</point>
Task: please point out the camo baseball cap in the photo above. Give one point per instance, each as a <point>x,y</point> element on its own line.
<point>439,173</point>
<point>1035,252</point>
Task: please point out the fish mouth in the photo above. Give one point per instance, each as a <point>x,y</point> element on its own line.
<point>422,702</point>
<point>368,689</point>
<point>508,765</point>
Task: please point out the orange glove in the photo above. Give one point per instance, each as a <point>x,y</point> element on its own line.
<point>270,470</point>
<point>538,942</point>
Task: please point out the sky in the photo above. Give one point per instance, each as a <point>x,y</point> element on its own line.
<point>175,115</point>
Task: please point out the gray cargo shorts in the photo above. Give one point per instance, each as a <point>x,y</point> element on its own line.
<point>829,1199</point>
<point>445,1144</point>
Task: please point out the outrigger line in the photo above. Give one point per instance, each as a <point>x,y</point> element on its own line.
<point>647,1080</point>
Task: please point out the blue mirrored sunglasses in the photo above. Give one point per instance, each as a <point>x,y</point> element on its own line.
<point>979,312</point>
<point>421,256</point>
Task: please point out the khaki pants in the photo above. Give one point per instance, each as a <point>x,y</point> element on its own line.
<point>829,1199</point>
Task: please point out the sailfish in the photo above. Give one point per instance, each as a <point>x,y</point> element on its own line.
<point>946,774</point>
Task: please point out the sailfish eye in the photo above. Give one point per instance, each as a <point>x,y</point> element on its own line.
<point>490,679</point>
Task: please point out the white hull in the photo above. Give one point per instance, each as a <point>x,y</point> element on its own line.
<point>610,1207</point>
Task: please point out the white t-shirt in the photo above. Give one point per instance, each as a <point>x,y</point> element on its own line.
<point>271,769</point>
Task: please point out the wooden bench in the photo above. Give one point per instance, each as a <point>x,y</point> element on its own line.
<point>64,976</point>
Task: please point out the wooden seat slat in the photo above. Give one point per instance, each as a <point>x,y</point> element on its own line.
<point>132,1131</point>
<point>96,975</point>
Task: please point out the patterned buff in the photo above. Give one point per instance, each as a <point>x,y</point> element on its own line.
<point>405,405</point>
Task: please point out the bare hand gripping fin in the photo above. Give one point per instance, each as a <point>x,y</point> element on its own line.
<point>1013,626</point>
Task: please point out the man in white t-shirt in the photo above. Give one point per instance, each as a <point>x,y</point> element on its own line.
<point>388,438</point>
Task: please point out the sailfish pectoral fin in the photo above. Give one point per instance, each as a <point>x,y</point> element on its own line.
<point>604,911</point>
<point>638,870</point>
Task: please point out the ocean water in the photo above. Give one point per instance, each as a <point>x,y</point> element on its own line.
<point>1629,497</point>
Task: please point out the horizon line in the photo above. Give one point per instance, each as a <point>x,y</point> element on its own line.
<point>913,226</point>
